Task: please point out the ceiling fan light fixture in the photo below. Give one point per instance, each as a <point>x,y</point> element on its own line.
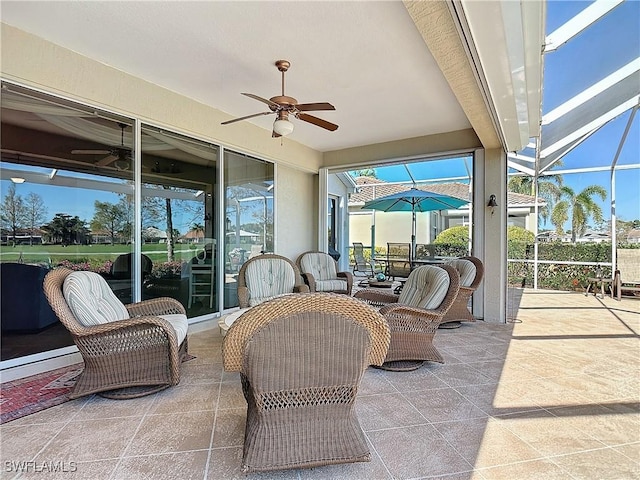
<point>282,127</point>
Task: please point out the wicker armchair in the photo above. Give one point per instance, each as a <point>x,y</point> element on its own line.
<point>268,276</point>
<point>301,359</point>
<point>320,271</point>
<point>414,314</point>
<point>471,271</point>
<point>135,352</point>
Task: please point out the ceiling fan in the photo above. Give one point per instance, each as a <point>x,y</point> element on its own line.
<point>120,156</point>
<point>283,106</point>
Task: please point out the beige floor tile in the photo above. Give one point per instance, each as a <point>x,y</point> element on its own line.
<point>533,470</point>
<point>548,434</point>
<point>443,405</point>
<point>416,452</point>
<point>229,427</point>
<point>226,464</point>
<point>21,443</point>
<point>461,375</point>
<point>180,432</point>
<point>186,398</point>
<point>604,464</point>
<point>376,412</point>
<point>90,440</point>
<point>485,443</point>
<point>183,466</point>
<point>99,407</point>
<point>376,381</point>
<point>416,380</point>
<point>630,450</point>
<point>373,470</point>
<point>612,425</point>
<point>201,373</point>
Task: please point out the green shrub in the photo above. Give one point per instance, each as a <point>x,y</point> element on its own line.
<point>458,235</point>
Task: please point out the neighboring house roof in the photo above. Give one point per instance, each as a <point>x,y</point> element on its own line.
<point>153,232</point>
<point>193,234</point>
<point>595,234</point>
<point>458,190</point>
<point>633,235</point>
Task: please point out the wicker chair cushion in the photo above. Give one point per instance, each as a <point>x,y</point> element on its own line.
<point>268,278</point>
<point>321,266</point>
<point>466,269</point>
<point>91,300</point>
<point>179,323</point>
<point>426,287</point>
<point>330,285</point>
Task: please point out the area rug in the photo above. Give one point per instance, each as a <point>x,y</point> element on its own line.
<point>36,393</point>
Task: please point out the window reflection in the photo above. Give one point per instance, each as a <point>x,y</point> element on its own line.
<point>249,190</point>
<point>71,203</point>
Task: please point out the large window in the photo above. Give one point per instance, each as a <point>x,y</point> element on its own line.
<point>70,196</point>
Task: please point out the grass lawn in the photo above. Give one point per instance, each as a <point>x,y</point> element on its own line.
<point>89,253</point>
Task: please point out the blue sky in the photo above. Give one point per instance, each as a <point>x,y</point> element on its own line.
<point>599,50</point>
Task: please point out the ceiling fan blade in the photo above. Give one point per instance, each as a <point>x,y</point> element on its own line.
<point>310,107</point>
<point>107,160</point>
<point>90,152</point>
<point>263,100</point>
<point>245,118</point>
<point>305,117</point>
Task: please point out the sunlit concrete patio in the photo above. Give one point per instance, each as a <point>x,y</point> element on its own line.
<point>552,395</point>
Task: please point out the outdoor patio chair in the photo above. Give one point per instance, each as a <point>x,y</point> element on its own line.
<point>362,266</point>
<point>267,276</point>
<point>320,271</point>
<point>301,359</point>
<point>398,260</point>
<point>128,350</point>
<point>414,314</point>
<point>471,271</point>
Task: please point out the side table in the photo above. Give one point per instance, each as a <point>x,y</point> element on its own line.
<point>593,284</point>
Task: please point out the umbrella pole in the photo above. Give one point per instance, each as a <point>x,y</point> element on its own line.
<point>413,234</point>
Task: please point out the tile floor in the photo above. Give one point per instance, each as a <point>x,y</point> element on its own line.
<point>554,396</point>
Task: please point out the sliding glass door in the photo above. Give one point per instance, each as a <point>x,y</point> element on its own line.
<point>248,207</point>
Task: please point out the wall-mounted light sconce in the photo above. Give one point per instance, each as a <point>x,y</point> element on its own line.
<point>492,203</point>
<point>207,217</point>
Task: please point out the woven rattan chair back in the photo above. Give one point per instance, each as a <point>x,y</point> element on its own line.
<point>459,310</point>
<point>127,358</point>
<point>301,359</point>
<point>247,298</point>
<point>320,272</point>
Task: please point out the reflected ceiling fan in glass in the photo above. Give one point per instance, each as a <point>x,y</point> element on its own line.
<point>119,156</point>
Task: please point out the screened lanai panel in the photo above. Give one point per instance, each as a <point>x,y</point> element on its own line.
<point>591,114</point>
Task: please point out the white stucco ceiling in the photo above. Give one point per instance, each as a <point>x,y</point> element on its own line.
<point>366,58</point>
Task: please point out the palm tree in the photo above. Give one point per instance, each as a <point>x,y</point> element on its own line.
<point>549,188</point>
<point>581,206</point>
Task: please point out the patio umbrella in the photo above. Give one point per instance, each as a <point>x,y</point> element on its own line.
<point>414,200</point>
